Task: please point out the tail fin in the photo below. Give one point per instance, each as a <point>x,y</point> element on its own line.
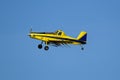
<point>82,36</point>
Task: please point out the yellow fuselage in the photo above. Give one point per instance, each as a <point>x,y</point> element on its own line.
<point>49,37</point>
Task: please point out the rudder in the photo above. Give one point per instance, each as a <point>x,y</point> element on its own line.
<point>82,36</point>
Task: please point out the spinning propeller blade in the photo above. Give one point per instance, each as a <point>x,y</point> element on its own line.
<point>31,29</point>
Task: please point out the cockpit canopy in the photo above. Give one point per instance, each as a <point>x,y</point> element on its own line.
<point>60,32</point>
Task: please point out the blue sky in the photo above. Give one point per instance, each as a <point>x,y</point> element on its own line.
<point>20,59</point>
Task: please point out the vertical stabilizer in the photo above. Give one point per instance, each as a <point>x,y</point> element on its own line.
<point>82,36</point>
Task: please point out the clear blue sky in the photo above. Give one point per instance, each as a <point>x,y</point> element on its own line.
<point>20,59</point>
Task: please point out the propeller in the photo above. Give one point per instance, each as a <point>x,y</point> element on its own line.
<point>30,29</point>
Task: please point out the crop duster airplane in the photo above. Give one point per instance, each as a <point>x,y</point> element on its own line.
<point>58,38</point>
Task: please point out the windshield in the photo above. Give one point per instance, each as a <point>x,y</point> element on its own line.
<point>58,32</point>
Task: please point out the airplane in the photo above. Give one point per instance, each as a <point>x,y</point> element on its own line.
<point>58,38</point>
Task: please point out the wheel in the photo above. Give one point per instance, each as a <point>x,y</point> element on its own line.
<point>40,46</point>
<point>46,48</point>
<point>82,48</point>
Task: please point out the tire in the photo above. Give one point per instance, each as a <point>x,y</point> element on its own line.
<point>82,48</point>
<point>40,46</point>
<point>46,48</point>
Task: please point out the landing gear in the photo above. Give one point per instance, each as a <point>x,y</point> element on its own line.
<point>46,48</point>
<point>82,48</point>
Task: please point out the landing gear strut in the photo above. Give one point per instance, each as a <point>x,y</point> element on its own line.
<point>82,48</point>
